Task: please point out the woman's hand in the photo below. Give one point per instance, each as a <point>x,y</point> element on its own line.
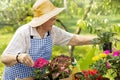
<point>26,59</point>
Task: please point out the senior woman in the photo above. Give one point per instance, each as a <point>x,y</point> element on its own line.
<point>35,39</point>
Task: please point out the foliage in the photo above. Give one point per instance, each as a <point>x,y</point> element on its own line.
<point>99,63</point>
<point>15,12</point>
<point>1,70</point>
<point>75,9</point>
<point>6,30</point>
<point>60,67</point>
<point>105,37</point>
<point>4,40</point>
<point>84,64</point>
<point>81,23</point>
<point>107,61</point>
<point>110,5</point>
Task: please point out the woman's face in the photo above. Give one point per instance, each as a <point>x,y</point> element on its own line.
<point>47,26</point>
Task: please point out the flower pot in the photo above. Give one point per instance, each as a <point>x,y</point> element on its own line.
<point>29,78</point>
<point>78,75</point>
<point>107,46</point>
<point>68,78</point>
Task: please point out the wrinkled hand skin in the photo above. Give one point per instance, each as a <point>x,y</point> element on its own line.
<point>26,59</point>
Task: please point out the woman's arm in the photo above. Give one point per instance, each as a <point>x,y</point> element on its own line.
<point>17,44</point>
<point>81,40</point>
<point>10,59</point>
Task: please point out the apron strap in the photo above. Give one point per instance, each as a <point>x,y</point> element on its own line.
<point>31,36</point>
<point>48,33</point>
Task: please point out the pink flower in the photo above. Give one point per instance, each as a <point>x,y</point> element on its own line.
<point>108,65</point>
<point>41,63</point>
<point>62,68</point>
<point>116,53</point>
<point>107,52</point>
<point>57,74</point>
<point>67,70</point>
<point>113,49</point>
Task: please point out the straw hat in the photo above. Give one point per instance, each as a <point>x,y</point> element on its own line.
<point>43,10</point>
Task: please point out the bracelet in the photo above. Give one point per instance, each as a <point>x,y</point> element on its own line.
<point>17,58</point>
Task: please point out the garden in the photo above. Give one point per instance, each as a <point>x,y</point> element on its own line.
<point>99,18</point>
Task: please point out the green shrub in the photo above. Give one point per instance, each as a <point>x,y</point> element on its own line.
<point>6,30</point>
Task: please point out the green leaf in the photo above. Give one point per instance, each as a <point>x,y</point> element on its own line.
<point>88,59</point>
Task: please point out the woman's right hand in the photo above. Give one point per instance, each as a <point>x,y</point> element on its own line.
<point>26,59</point>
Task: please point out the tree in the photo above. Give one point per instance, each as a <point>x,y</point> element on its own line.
<point>15,12</point>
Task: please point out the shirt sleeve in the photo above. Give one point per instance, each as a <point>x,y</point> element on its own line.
<point>17,43</point>
<point>61,37</point>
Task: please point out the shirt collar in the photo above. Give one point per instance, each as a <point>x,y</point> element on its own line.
<point>35,33</point>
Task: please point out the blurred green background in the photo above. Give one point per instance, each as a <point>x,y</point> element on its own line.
<point>84,15</point>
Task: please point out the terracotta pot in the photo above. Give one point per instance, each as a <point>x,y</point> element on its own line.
<point>69,78</point>
<point>107,46</point>
<point>29,78</point>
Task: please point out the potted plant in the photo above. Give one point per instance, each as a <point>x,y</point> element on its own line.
<point>107,61</point>
<point>60,68</point>
<point>57,69</point>
<point>105,39</point>
<point>90,74</point>
<point>41,66</point>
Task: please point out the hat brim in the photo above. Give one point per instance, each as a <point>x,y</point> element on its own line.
<point>37,21</point>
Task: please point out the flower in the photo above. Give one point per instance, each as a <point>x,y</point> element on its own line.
<point>107,51</point>
<point>107,61</point>
<point>108,65</point>
<point>116,53</point>
<point>40,65</point>
<point>60,67</point>
<point>95,58</point>
<point>91,74</point>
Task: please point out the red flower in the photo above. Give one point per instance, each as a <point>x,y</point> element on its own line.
<point>85,73</point>
<point>92,72</point>
<point>41,63</point>
<point>88,74</point>
<point>99,78</point>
